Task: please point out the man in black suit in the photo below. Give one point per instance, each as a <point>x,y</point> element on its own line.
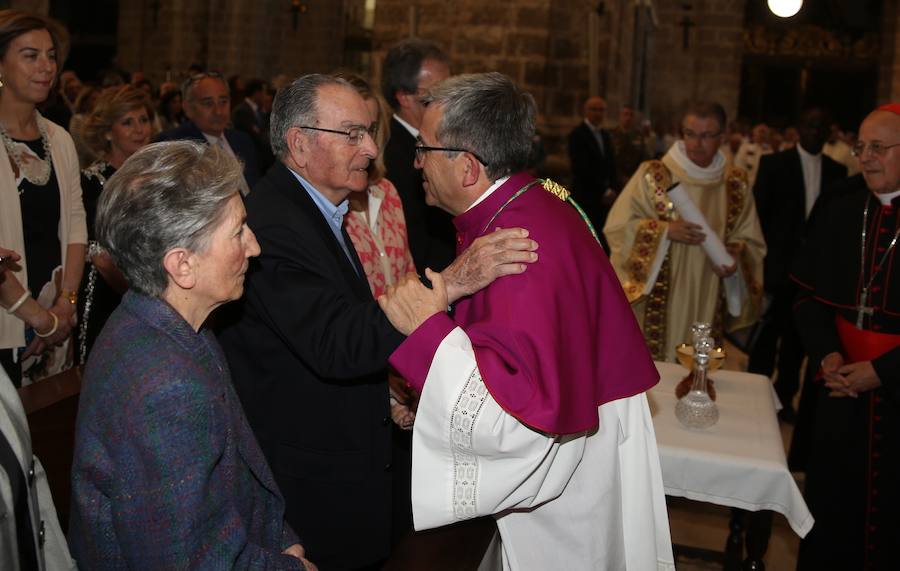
<point>788,186</point>
<point>250,117</point>
<point>207,106</point>
<point>308,346</point>
<point>410,68</point>
<point>593,165</point>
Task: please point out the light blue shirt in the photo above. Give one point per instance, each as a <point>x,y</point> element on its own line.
<point>334,215</point>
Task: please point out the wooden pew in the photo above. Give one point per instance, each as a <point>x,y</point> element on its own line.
<point>51,406</point>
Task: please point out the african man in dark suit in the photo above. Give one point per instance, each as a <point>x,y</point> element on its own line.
<point>788,186</point>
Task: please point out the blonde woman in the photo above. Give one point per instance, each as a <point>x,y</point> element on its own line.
<point>120,124</point>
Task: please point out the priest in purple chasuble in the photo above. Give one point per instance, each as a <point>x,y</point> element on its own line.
<point>848,315</point>
<point>532,391</point>
<point>659,257</point>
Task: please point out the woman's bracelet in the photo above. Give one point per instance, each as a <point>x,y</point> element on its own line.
<point>14,307</point>
<point>52,329</point>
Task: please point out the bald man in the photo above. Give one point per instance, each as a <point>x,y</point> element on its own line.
<point>848,315</point>
<point>593,163</point>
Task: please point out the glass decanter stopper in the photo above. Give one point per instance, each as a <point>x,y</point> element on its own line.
<point>696,409</point>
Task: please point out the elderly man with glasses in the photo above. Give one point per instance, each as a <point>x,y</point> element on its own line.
<point>658,255</point>
<point>207,106</point>
<point>308,346</point>
<point>848,315</point>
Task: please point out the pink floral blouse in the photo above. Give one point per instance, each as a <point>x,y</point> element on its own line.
<point>384,251</point>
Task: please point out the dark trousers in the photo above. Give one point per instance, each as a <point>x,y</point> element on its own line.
<point>788,355</point>
<point>13,369</point>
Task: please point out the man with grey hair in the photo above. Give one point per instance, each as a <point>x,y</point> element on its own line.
<point>207,106</point>
<point>532,407</point>
<point>309,350</point>
<point>411,67</point>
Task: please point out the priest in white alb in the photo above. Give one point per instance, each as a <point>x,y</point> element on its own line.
<point>664,260</point>
<point>532,403</point>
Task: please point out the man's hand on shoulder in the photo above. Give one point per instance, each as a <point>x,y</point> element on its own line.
<point>500,253</point>
<point>408,303</point>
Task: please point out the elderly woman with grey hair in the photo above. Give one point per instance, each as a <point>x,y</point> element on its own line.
<point>167,473</point>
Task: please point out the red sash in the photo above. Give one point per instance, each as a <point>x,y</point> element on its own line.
<point>861,344</point>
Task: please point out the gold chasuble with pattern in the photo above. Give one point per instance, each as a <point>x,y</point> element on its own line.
<point>671,284</point>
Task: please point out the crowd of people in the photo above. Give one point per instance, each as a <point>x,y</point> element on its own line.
<point>416,331</point>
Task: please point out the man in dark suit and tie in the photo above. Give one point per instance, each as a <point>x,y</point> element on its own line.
<point>250,117</point>
<point>788,186</point>
<point>410,68</point>
<point>308,345</point>
<point>593,164</point>
<point>207,106</point>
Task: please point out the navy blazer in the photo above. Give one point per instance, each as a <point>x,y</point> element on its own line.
<point>240,143</point>
<point>167,473</point>
<point>308,349</point>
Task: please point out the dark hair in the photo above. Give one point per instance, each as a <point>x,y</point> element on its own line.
<point>401,67</point>
<point>254,85</point>
<point>707,110</point>
<point>488,115</point>
<point>164,101</point>
<point>14,23</point>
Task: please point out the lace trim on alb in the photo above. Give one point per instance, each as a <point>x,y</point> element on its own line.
<point>465,463</point>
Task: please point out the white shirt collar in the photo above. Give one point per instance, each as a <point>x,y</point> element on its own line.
<point>412,130</point>
<point>252,104</point>
<point>497,184</point>
<point>887,198</point>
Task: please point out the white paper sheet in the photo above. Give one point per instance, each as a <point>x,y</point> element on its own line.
<point>712,244</point>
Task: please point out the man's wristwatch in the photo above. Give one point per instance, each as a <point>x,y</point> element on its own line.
<point>70,296</point>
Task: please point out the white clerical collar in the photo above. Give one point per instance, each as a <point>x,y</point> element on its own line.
<point>214,141</point>
<point>412,130</point>
<point>711,173</point>
<point>887,198</point>
<point>252,104</point>
<point>497,184</point>
<point>806,154</point>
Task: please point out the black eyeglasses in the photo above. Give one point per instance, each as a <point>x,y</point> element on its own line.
<point>422,149</point>
<point>354,134</point>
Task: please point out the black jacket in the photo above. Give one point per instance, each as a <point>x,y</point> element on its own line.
<point>780,195</point>
<point>308,347</point>
<point>430,230</point>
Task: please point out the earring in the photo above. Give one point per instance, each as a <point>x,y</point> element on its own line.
<point>1,81</point>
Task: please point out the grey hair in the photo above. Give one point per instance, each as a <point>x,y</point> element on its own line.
<point>187,87</point>
<point>486,114</point>
<point>297,104</point>
<point>167,195</point>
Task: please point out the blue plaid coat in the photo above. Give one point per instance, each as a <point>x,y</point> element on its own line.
<point>167,473</point>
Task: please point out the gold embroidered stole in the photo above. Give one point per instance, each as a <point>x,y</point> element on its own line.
<point>646,243</point>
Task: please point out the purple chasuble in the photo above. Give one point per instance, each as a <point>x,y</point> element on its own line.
<point>553,343</point>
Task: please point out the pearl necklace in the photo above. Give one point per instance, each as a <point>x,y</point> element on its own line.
<point>35,169</point>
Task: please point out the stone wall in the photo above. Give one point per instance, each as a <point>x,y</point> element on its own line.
<point>253,38</point>
<point>709,68</point>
